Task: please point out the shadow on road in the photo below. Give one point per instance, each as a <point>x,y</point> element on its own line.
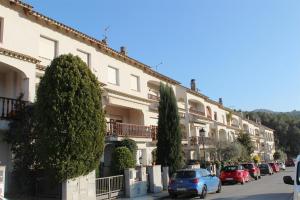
<point>277,196</point>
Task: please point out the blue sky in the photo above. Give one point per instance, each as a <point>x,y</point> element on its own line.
<point>246,51</point>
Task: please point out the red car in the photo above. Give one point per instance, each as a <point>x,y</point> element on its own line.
<point>290,162</point>
<point>253,170</point>
<point>234,173</point>
<point>275,167</point>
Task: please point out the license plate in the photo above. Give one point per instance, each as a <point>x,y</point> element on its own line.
<point>229,179</point>
<point>181,189</point>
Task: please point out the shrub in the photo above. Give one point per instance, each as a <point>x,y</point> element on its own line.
<point>70,120</point>
<point>21,138</point>
<point>256,159</point>
<point>122,159</point>
<point>130,144</point>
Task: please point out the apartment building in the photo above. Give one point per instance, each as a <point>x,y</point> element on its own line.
<point>29,41</point>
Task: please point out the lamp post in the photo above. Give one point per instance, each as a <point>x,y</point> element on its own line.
<point>202,135</point>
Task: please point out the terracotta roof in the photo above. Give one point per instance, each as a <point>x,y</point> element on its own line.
<point>28,10</point>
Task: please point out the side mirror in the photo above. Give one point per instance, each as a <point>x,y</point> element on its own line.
<point>288,180</point>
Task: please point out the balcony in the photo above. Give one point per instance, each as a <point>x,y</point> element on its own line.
<point>130,130</point>
<point>199,140</point>
<point>196,112</point>
<point>153,97</point>
<point>9,107</point>
<point>235,125</point>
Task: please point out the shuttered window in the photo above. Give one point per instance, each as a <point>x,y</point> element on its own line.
<point>134,82</point>
<point>84,56</point>
<point>1,29</point>
<point>113,75</point>
<point>47,50</point>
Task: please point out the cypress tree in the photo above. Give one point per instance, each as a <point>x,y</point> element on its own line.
<point>169,149</point>
<point>70,120</point>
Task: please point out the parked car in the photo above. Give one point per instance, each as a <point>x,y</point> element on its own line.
<point>193,181</point>
<point>295,180</point>
<point>253,170</point>
<point>274,166</point>
<point>290,162</point>
<point>265,168</point>
<point>281,165</point>
<point>234,173</point>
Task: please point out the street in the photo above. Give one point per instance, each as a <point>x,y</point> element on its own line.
<point>267,188</point>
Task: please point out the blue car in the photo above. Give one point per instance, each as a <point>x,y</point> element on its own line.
<point>195,182</point>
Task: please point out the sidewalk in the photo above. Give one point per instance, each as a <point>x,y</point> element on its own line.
<point>150,196</point>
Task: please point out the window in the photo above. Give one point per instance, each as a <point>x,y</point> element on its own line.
<point>134,82</point>
<point>85,57</point>
<point>113,75</point>
<point>186,174</point>
<point>47,50</point>
<point>215,116</point>
<point>1,29</point>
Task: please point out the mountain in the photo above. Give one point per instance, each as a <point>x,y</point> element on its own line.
<point>293,113</point>
<point>263,110</point>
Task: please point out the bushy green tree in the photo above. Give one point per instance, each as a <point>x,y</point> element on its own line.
<point>122,159</point>
<point>70,120</point>
<point>276,155</point>
<point>21,137</point>
<point>286,126</point>
<point>256,159</point>
<point>169,150</point>
<point>245,140</point>
<point>130,144</point>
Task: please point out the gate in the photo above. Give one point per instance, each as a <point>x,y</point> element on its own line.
<point>110,187</point>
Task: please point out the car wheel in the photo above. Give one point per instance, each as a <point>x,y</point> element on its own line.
<point>255,178</point>
<point>219,188</point>
<point>204,192</point>
<point>173,196</point>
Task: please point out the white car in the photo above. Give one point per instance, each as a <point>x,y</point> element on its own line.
<point>295,181</point>
<point>282,166</point>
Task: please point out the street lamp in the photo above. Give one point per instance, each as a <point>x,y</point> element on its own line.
<point>202,135</point>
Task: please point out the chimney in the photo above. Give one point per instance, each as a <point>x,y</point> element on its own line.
<point>221,101</point>
<point>123,50</point>
<point>193,84</point>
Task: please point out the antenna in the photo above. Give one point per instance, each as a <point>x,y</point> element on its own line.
<point>156,66</point>
<point>105,34</point>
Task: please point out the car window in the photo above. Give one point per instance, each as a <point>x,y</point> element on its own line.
<point>241,167</point>
<point>204,172</point>
<point>248,166</point>
<point>185,174</point>
<point>263,166</point>
<point>298,173</point>
<point>230,168</point>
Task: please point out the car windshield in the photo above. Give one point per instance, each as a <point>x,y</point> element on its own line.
<point>248,166</point>
<point>230,168</point>
<point>263,166</point>
<point>185,174</point>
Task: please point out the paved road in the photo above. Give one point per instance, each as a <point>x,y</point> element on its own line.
<point>267,188</point>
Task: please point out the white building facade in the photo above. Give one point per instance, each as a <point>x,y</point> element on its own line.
<point>30,40</point>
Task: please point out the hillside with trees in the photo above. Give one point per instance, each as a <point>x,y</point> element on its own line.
<point>286,126</point>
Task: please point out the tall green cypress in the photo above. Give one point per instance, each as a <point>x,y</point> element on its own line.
<point>70,120</point>
<point>169,149</point>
